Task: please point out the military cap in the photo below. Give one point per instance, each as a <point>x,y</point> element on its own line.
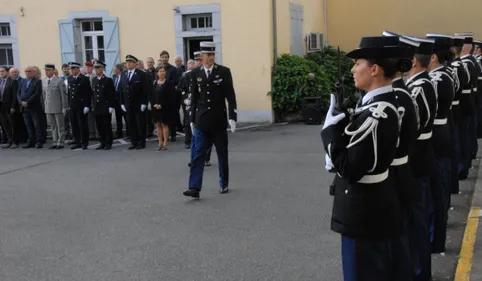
<point>425,47</point>
<point>131,58</point>
<point>74,65</point>
<point>99,63</point>
<point>378,47</point>
<point>208,47</point>
<point>467,36</point>
<point>49,66</point>
<point>197,55</point>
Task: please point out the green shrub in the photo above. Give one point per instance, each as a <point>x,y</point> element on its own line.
<point>291,81</point>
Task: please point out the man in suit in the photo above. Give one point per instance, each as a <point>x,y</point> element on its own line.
<point>29,96</point>
<point>8,106</point>
<point>119,113</point>
<point>89,69</point>
<point>134,96</point>
<point>103,105</point>
<point>55,104</point>
<point>80,100</point>
<point>212,85</point>
<point>151,74</point>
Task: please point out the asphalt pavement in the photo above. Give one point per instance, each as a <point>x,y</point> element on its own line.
<point>120,215</point>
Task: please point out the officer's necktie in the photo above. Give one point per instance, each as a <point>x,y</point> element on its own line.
<point>130,75</point>
<point>209,73</point>
<point>48,82</point>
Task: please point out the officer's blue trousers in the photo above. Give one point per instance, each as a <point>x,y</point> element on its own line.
<point>193,149</point>
<point>440,187</point>
<point>402,250</point>
<point>465,146</point>
<point>366,260</point>
<point>455,160</point>
<point>204,140</point>
<point>421,225</point>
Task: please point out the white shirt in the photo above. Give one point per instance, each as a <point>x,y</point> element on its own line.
<point>130,73</point>
<point>208,69</point>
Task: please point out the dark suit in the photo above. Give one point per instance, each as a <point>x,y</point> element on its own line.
<point>209,114</point>
<point>119,113</point>
<point>134,94</point>
<point>9,102</point>
<point>30,91</point>
<point>80,97</point>
<point>151,75</point>
<point>173,74</point>
<point>104,98</point>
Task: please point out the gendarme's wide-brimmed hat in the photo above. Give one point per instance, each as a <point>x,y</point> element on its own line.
<point>468,37</point>
<point>378,47</point>
<point>441,40</point>
<point>208,47</point>
<point>425,47</point>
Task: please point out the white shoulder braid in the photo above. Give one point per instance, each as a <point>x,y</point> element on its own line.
<point>414,102</point>
<point>418,90</point>
<point>370,126</point>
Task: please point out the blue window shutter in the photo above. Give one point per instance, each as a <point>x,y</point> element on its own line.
<point>67,41</point>
<point>111,45</point>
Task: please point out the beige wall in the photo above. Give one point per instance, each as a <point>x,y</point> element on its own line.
<point>349,20</point>
<point>313,20</point>
<point>146,29</point>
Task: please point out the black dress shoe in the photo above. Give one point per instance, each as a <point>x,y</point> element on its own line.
<point>207,164</point>
<point>132,147</point>
<point>224,190</point>
<point>60,147</point>
<point>71,142</point>
<point>53,147</point>
<point>173,138</point>
<point>29,146</point>
<point>189,164</point>
<point>108,147</point>
<point>194,193</point>
<point>77,146</point>
<point>84,147</point>
<point>100,147</point>
<point>39,146</point>
<point>141,146</point>
<point>15,146</point>
<point>187,146</point>
<point>7,146</point>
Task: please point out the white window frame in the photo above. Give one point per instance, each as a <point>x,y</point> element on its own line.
<point>7,24</point>
<point>12,39</point>
<point>93,35</point>
<point>188,18</point>
<point>318,42</point>
<point>10,63</point>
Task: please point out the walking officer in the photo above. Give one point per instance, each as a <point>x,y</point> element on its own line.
<point>440,180</point>
<point>400,170</point>
<point>134,96</point>
<point>185,88</point>
<point>366,211</point>
<point>103,104</point>
<point>212,85</point>
<point>422,158</point>
<point>80,100</point>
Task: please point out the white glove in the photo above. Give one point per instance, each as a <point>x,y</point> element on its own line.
<point>330,119</point>
<point>64,111</point>
<point>232,124</point>
<point>123,107</point>
<point>149,106</point>
<point>143,107</point>
<point>111,109</point>
<point>86,110</point>
<point>328,164</point>
<point>192,128</point>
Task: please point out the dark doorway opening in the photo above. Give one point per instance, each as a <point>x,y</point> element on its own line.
<point>192,44</point>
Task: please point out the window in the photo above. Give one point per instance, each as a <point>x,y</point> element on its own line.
<point>6,55</point>
<point>93,40</point>
<point>5,29</point>
<point>201,21</point>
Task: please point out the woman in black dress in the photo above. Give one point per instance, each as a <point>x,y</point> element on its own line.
<point>161,115</point>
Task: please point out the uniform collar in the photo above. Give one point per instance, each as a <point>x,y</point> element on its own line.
<point>414,76</point>
<point>437,69</point>
<point>370,95</point>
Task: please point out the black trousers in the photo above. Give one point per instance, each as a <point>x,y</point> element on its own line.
<point>119,114</point>
<point>8,125</point>
<point>67,123</point>
<point>137,127</point>
<point>187,126</point>
<point>80,126</point>
<point>104,127</point>
<point>176,121</point>
<point>150,124</point>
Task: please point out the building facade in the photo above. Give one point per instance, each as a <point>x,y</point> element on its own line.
<point>35,32</point>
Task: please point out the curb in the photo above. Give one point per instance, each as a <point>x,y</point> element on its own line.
<point>468,256</point>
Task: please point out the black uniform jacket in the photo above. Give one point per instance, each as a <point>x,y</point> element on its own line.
<point>467,100</point>
<point>184,87</point>
<point>80,92</point>
<point>104,95</point>
<point>444,87</point>
<point>209,95</point>
<point>10,100</point>
<point>400,170</point>
<point>460,81</point>
<point>134,92</point>
<point>423,92</point>
<point>365,202</point>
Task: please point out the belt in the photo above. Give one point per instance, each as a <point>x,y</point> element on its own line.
<point>440,121</point>
<point>399,161</point>
<point>374,178</point>
<point>425,136</point>
<point>466,92</point>
<point>456,102</point>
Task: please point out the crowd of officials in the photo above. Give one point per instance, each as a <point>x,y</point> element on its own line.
<point>78,105</point>
<point>401,150</point>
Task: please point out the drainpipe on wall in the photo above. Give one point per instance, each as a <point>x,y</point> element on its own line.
<point>275,32</point>
<point>325,27</point>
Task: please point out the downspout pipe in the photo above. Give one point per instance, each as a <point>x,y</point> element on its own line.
<point>275,32</point>
<point>325,26</point>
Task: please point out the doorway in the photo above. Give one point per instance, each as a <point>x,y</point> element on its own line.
<point>192,44</point>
